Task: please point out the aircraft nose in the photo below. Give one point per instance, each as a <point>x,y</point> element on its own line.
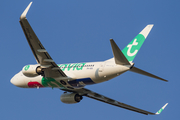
<point>17,82</point>
<point>11,80</point>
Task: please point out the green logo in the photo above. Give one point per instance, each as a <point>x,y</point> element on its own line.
<point>75,66</point>
<point>133,47</point>
<point>26,67</point>
<point>130,47</point>
<point>160,110</point>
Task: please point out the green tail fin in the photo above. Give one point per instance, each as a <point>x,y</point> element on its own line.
<point>133,47</point>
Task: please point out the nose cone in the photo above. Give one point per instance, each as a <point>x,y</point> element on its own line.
<point>17,82</point>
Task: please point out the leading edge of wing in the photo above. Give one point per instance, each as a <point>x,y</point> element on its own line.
<point>41,55</point>
<point>99,97</point>
<point>104,99</point>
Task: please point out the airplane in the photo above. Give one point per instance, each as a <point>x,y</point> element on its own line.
<point>73,77</point>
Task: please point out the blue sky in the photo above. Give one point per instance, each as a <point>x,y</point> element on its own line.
<point>79,31</point>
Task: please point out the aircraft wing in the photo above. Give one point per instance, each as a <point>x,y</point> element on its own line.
<point>42,57</point>
<point>99,97</point>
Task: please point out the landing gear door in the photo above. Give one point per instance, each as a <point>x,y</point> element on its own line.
<point>101,68</point>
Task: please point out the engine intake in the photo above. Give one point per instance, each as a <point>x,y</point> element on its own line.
<point>70,98</point>
<point>32,70</point>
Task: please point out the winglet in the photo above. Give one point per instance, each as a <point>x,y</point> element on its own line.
<point>158,112</point>
<point>23,15</point>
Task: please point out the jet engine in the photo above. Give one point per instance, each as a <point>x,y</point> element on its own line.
<point>70,98</point>
<point>32,70</point>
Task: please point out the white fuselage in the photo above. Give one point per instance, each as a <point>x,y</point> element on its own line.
<point>79,75</point>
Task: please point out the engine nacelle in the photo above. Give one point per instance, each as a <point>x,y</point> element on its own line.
<point>70,98</point>
<point>31,70</point>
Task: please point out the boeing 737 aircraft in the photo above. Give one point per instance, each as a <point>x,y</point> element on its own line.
<point>73,77</point>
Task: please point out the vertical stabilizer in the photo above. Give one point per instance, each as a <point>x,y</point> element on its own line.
<point>133,47</point>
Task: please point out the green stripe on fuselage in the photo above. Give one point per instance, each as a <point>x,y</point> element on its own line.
<point>48,82</point>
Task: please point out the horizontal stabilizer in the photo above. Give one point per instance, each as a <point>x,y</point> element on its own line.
<point>118,55</point>
<point>137,70</point>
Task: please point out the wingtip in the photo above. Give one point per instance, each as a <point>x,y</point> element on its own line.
<point>158,112</point>
<point>163,79</point>
<point>23,15</point>
<point>166,80</point>
<point>151,25</point>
